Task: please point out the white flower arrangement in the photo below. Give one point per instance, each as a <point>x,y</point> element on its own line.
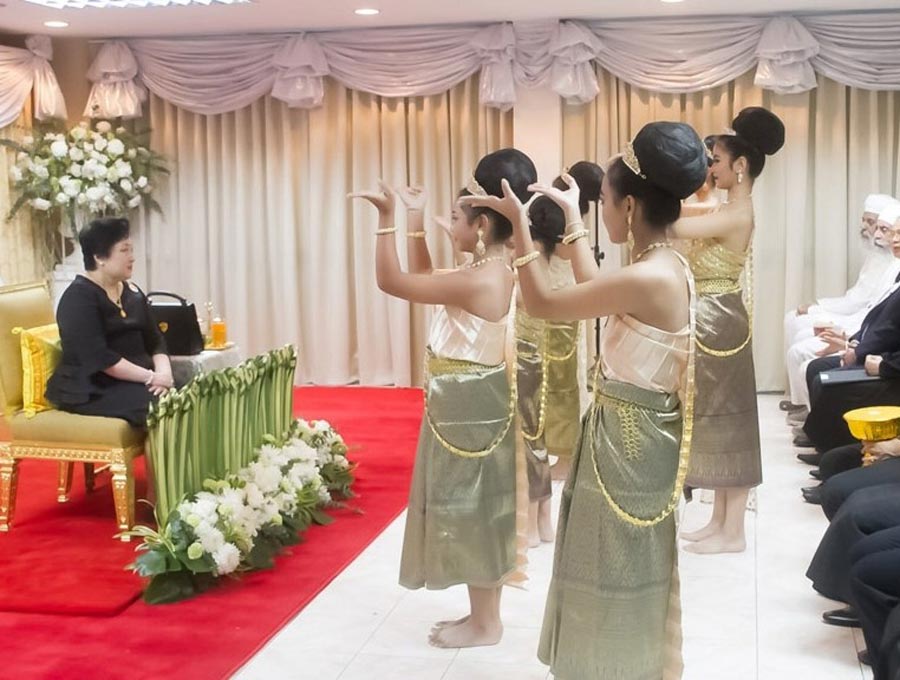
<point>242,522</point>
<point>83,172</point>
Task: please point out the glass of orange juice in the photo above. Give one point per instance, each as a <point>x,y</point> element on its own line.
<point>218,333</point>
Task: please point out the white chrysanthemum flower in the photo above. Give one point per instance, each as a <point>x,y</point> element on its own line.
<point>227,558</point>
<point>15,173</point>
<point>59,149</point>
<point>95,194</point>
<point>40,204</point>
<point>41,172</point>
<point>134,201</point>
<point>322,426</point>
<point>62,198</point>
<point>103,127</point>
<point>73,188</point>
<point>210,537</point>
<point>132,153</point>
<point>267,477</point>
<point>126,185</point>
<point>81,199</point>
<point>100,143</point>
<point>78,133</point>
<point>124,168</point>
<point>324,495</point>
<point>112,176</point>
<point>115,148</point>
<point>110,200</point>
<point>120,130</point>
<point>255,497</point>
<point>88,147</point>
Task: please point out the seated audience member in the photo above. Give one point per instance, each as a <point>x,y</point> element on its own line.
<point>114,359</point>
<point>849,457</point>
<point>844,314</point>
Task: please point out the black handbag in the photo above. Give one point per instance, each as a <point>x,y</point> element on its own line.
<point>178,323</point>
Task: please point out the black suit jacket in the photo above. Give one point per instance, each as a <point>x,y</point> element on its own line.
<point>880,330</point>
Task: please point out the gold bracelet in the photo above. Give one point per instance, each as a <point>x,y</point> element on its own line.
<point>415,234</point>
<point>574,236</point>
<point>387,230</point>
<point>525,259</point>
<point>573,224</point>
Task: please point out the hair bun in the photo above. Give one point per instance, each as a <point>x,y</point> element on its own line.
<point>510,164</point>
<point>760,128</point>
<point>672,156</point>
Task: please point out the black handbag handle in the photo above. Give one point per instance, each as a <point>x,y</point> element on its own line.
<point>160,293</point>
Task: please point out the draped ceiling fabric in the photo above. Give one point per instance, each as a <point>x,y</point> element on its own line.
<point>842,143</point>
<point>256,219</point>
<point>23,71</point>
<point>212,75</point>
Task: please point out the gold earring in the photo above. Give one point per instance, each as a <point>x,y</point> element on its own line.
<point>480,248</point>
<point>740,176</point>
<point>630,236</point>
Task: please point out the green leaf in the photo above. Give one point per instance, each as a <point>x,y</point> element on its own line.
<point>170,587</point>
<point>320,517</point>
<point>263,553</point>
<point>151,563</point>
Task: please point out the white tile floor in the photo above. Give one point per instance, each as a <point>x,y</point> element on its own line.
<point>751,616</point>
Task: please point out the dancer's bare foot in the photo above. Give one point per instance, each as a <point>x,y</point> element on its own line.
<point>448,623</point>
<point>706,532</point>
<point>717,545</point>
<point>534,537</point>
<point>466,634</point>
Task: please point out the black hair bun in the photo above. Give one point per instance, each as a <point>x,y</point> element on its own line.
<point>672,157</point>
<point>760,128</point>
<point>510,164</point>
<point>589,177</point>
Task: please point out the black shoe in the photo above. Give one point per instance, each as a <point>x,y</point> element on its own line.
<point>845,617</point>
<point>812,495</point>
<point>816,474</point>
<point>810,458</point>
<point>787,405</point>
<point>864,658</point>
<point>802,441</point>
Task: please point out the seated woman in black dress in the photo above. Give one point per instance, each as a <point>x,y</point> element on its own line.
<point>114,360</point>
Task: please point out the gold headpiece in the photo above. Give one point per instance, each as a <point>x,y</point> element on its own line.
<point>631,160</point>
<point>709,153</point>
<point>474,188</point>
<point>730,132</point>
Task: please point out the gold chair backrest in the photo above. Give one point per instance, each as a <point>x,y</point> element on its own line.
<point>26,305</point>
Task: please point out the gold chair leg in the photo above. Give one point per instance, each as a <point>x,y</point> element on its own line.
<point>123,494</point>
<point>89,477</point>
<point>9,477</point>
<point>65,482</point>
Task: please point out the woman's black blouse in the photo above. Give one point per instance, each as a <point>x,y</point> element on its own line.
<point>95,336</point>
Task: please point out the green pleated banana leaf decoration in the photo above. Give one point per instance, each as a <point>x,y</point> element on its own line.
<point>210,427</point>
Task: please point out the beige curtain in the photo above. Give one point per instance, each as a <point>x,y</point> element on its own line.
<point>842,143</point>
<point>20,259</point>
<point>257,221</point>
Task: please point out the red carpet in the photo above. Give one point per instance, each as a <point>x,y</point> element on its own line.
<point>210,636</point>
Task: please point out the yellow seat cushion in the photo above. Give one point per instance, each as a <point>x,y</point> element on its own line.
<point>41,353</point>
<point>60,427</point>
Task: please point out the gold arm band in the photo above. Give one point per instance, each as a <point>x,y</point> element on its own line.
<point>388,230</point>
<point>573,224</point>
<point>415,234</point>
<point>574,236</point>
<point>525,259</point>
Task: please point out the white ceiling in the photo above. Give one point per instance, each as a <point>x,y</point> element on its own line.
<point>18,16</point>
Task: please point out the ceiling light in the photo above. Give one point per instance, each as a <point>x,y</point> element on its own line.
<point>367,12</point>
<point>56,24</point>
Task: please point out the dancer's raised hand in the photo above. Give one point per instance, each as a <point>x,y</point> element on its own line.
<point>509,205</point>
<point>567,199</point>
<point>383,199</point>
<point>414,198</point>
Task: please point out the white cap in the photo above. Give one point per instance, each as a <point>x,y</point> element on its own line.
<point>890,214</point>
<point>875,203</point>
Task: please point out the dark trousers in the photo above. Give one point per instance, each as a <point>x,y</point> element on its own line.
<point>825,425</point>
<point>841,459</point>
<point>840,487</point>
<point>863,513</point>
<point>875,589</point>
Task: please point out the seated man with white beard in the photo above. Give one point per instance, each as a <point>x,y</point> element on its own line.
<point>834,315</point>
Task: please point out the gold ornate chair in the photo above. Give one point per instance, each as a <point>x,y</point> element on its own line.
<point>54,435</point>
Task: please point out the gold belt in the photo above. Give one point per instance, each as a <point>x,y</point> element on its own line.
<point>717,286</point>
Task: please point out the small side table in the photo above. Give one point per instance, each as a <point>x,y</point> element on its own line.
<point>184,369</point>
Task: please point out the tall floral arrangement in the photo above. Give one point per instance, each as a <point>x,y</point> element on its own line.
<point>68,177</point>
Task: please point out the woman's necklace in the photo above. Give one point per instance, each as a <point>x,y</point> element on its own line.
<point>495,258</point>
<point>118,303</point>
<point>652,246</point>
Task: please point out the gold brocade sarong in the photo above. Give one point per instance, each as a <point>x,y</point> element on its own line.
<point>563,413</point>
<point>725,450</point>
<point>613,610</point>
<point>533,402</point>
<point>461,520</point>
